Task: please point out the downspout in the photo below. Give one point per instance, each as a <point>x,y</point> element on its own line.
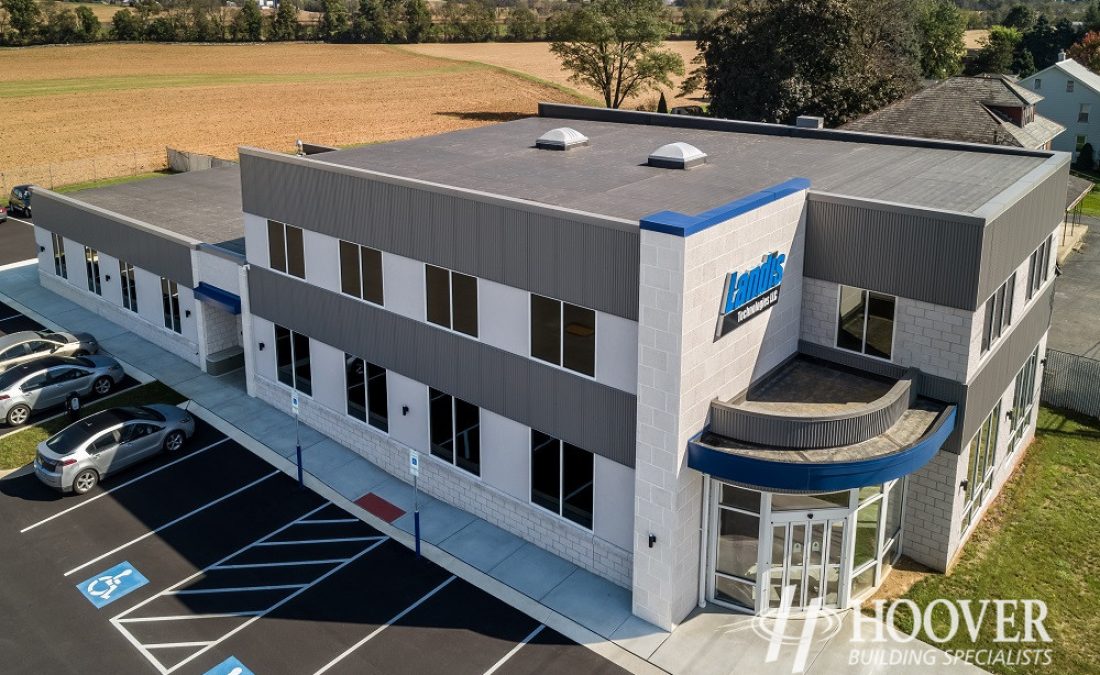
<point>704,521</point>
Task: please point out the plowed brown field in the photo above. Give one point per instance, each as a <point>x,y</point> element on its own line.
<point>83,112</point>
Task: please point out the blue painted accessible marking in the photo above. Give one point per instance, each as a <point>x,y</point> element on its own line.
<point>110,585</point>
<point>230,666</point>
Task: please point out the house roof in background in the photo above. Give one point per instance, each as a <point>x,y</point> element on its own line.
<point>961,109</point>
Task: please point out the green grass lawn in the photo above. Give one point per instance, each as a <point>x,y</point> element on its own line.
<point>18,448</point>
<point>1090,205</point>
<point>1040,540</point>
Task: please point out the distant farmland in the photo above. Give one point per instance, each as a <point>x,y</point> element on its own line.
<point>91,111</point>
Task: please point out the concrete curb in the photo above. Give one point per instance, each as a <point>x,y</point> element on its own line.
<point>559,622</point>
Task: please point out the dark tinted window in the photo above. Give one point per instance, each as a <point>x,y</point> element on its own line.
<point>284,358</point>
<point>107,440</point>
<point>880,325</point>
<point>366,392</point>
<point>464,297</point>
<point>545,329</point>
<point>302,371</point>
<point>276,245</point>
<point>576,484</point>
<point>372,274</point>
<point>467,437</point>
<point>377,398</point>
<point>356,388</point>
<point>438,293</point>
<point>441,425</point>
<point>36,382</point>
<point>850,320</point>
<point>579,339</point>
<point>349,269</point>
<point>545,471</point>
<point>295,252</point>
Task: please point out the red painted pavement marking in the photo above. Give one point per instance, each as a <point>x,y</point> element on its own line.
<point>379,507</point>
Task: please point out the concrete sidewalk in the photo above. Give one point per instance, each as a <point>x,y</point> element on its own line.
<point>585,607</point>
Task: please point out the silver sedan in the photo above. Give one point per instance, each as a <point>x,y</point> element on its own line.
<point>28,345</point>
<point>76,458</point>
<point>50,380</point>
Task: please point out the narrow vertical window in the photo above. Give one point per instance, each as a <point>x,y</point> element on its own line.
<point>438,294</point>
<point>129,285</point>
<point>292,360</point>
<point>170,295</point>
<point>286,250</point>
<point>60,268</point>
<point>91,268</point>
<point>865,322</point>
<point>276,245</point>
<point>545,329</point>
<point>366,392</point>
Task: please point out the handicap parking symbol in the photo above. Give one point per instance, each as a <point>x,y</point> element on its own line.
<point>110,585</point>
<point>230,666</point>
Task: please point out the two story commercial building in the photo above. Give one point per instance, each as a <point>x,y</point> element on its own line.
<point>710,361</point>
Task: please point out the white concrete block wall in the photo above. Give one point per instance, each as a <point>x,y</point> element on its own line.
<point>496,504</point>
<point>216,271</point>
<point>221,330</point>
<point>682,367</point>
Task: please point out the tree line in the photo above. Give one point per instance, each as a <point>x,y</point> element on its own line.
<point>26,22</point>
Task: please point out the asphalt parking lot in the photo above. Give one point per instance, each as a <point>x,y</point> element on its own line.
<point>16,241</point>
<point>210,560</point>
<point>12,321</point>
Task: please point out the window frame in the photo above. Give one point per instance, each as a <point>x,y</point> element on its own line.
<point>454,402</point>
<point>561,496</point>
<point>367,398</point>
<point>560,363</point>
<point>91,270</point>
<point>1083,112</point>
<point>449,326</point>
<point>981,460</point>
<point>128,280</point>
<point>284,238</point>
<point>1038,83</point>
<point>170,300</point>
<point>360,249</point>
<point>998,313</point>
<point>294,384</point>
<point>866,295</point>
<point>60,265</point>
<point>1069,86</point>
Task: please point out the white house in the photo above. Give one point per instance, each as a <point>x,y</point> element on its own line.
<point>1071,97</point>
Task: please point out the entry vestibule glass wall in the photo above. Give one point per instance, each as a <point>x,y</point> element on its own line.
<point>769,550</point>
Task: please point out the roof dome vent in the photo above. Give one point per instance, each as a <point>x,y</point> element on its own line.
<point>677,156</point>
<point>562,138</point>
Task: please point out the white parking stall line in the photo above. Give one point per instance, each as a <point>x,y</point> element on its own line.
<point>187,617</point>
<point>291,563</point>
<point>384,626</point>
<point>170,524</point>
<point>236,589</point>
<point>9,318</point>
<point>121,620</point>
<point>329,521</point>
<point>173,645</point>
<point>336,540</point>
<point>512,652</point>
<point>122,485</point>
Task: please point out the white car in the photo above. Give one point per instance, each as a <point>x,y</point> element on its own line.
<point>29,345</point>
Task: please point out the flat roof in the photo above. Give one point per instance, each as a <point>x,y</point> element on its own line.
<point>202,205</point>
<point>610,176</point>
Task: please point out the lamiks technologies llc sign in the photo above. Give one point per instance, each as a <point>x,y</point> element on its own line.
<point>749,293</point>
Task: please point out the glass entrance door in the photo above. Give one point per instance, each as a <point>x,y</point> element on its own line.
<point>806,552</point>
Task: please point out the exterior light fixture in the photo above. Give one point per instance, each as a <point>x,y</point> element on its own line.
<point>262,346</point>
<point>404,410</point>
<point>652,539</point>
<point>187,313</point>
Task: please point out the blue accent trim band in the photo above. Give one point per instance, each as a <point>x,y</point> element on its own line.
<point>224,299</point>
<point>683,225</point>
<point>821,477</point>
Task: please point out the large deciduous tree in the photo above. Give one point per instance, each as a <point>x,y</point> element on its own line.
<point>1087,51</point>
<point>614,46</point>
<point>24,16</point>
<point>998,51</point>
<point>772,60</point>
<point>941,25</point>
<point>284,25</point>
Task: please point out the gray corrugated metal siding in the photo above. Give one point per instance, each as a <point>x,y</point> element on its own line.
<point>160,254</point>
<point>587,263</point>
<point>588,414</point>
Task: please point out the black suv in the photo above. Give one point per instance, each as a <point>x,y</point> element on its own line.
<point>19,202</point>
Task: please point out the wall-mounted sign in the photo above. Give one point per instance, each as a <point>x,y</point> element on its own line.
<point>751,292</point>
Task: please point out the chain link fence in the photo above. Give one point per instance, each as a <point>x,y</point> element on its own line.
<point>1073,382</point>
<point>55,174</point>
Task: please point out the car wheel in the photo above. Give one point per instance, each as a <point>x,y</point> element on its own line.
<point>18,415</point>
<point>85,480</point>
<point>103,386</point>
<point>174,441</point>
